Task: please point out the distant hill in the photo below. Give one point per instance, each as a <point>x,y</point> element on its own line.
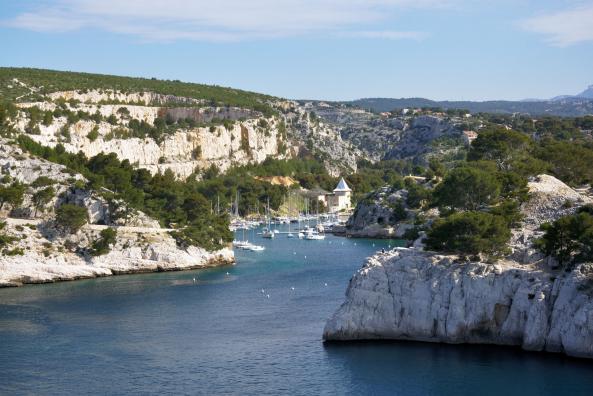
<point>14,83</point>
<point>587,93</point>
<point>565,107</point>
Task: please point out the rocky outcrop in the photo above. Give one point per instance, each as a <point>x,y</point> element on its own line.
<point>390,136</point>
<point>410,294</point>
<point>407,294</point>
<point>316,136</point>
<point>135,252</point>
<point>245,137</point>
<point>184,151</point>
<point>109,95</point>
<point>374,216</point>
<point>419,137</point>
<point>34,251</point>
<point>385,214</point>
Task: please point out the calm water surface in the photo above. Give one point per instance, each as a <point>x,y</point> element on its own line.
<point>164,334</point>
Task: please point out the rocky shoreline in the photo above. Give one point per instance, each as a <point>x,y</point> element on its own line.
<point>35,269</point>
<point>522,300</point>
<point>407,294</point>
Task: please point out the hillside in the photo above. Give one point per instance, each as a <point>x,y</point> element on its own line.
<point>565,107</point>
<point>165,125</point>
<point>59,225</point>
<point>33,84</point>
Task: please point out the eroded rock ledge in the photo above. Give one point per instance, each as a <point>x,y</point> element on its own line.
<point>160,254</point>
<point>407,294</point>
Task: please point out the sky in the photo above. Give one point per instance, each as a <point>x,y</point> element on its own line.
<point>316,49</point>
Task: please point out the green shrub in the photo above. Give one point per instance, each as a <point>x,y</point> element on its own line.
<point>569,239</point>
<point>210,237</point>
<point>14,252</point>
<point>70,218</point>
<point>398,212</point>
<point>93,134</point>
<point>417,195</point>
<point>43,197</point>
<point>501,146</point>
<point>65,133</point>
<point>102,245</point>
<point>467,189</point>
<point>13,194</point>
<point>112,119</point>
<point>569,161</point>
<point>6,240</point>
<point>509,211</point>
<point>469,233</point>
<point>43,181</point>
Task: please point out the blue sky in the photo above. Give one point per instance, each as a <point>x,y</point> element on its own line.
<point>323,49</point>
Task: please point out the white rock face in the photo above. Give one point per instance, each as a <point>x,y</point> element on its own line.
<point>407,294</point>
<point>134,252</point>
<point>96,96</point>
<point>40,254</point>
<point>176,152</point>
<point>251,140</point>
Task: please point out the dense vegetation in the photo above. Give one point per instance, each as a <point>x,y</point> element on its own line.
<point>479,199</point>
<point>52,81</point>
<point>470,233</point>
<point>70,218</point>
<point>161,196</point>
<point>570,238</point>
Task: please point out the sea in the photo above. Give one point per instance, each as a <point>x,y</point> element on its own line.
<point>254,328</point>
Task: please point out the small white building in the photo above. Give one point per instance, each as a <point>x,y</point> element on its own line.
<point>469,137</point>
<point>340,199</point>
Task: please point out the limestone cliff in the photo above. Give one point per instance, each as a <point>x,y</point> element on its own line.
<point>393,136</point>
<point>34,251</point>
<point>103,121</point>
<point>184,150</point>
<point>410,294</point>
<point>51,257</point>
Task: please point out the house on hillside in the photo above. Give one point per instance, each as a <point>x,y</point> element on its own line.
<point>341,198</point>
<point>469,137</point>
<point>336,201</point>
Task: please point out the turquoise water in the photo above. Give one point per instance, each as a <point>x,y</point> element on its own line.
<point>164,334</point>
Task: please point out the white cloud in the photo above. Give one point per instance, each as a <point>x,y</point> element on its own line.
<point>563,28</point>
<point>229,20</point>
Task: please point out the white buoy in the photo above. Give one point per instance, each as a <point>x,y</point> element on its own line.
<point>293,252</point>
<point>227,273</point>
<point>305,257</point>
<point>194,280</point>
<point>325,284</point>
<point>262,291</point>
<point>373,245</point>
<point>292,288</point>
<point>354,243</point>
<point>267,296</point>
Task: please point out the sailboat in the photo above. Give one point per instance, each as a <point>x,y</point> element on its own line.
<point>290,234</point>
<point>267,232</point>
<point>316,233</point>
